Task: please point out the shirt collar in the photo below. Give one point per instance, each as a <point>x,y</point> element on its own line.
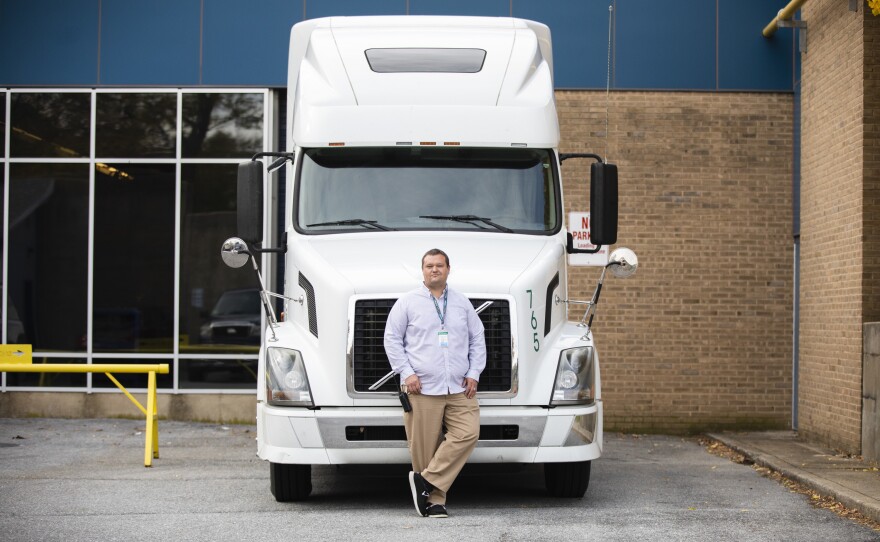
<point>428,293</point>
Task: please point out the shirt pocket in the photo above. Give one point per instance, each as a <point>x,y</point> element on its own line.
<point>457,322</point>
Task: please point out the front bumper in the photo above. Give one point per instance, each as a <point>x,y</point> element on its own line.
<point>324,436</point>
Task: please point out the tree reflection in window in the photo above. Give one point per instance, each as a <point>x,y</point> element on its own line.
<point>222,125</point>
<point>50,125</point>
<point>136,125</point>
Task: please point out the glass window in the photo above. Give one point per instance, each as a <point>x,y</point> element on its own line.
<point>50,189</point>
<point>222,125</point>
<point>49,380</point>
<point>409,188</point>
<point>219,307</point>
<point>2,229</point>
<point>217,374</point>
<point>134,258</point>
<point>50,125</point>
<point>136,125</point>
<point>48,249</point>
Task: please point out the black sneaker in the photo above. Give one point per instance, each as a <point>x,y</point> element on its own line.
<point>421,489</point>
<point>437,511</point>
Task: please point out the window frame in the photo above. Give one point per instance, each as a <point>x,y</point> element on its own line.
<point>174,359</point>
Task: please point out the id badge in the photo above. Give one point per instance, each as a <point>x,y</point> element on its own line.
<point>443,339</point>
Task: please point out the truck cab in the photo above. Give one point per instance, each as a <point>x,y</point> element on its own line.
<point>406,134</point>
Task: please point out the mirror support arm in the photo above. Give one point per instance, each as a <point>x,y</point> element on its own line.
<point>275,250</point>
<point>563,156</point>
<point>569,247</point>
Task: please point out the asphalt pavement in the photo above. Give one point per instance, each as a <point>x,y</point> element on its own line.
<point>71,480</point>
<point>849,480</point>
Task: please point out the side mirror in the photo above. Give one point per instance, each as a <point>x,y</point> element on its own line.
<point>623,262</point>
<point>603,203</point>
<point>250,201</point>
<point>234,252</point>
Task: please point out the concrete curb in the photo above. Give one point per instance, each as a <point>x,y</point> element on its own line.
<point>858,493</point>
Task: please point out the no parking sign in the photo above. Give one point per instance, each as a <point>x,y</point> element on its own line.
<point>579,227</point>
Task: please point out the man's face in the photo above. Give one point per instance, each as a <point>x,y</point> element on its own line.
<point>435,271</point>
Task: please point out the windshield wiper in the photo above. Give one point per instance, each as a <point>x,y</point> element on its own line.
<point>354,222</point>
<point>469,219</point>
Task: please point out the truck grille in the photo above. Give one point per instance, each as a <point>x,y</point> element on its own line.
<point>371,363</point>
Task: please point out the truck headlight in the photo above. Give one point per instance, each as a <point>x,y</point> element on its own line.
<point>574,377</point>
<point>286,380</point>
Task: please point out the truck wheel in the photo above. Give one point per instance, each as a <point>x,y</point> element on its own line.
<point>290,482</point>
<point>567,479</point>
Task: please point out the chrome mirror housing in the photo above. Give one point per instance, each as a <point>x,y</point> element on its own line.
<point>623,262</point>
<point>234,252</point>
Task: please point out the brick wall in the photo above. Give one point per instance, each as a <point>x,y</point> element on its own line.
<point>701,336</point>
<point>832,228</point>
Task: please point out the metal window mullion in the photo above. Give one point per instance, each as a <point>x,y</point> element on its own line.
<point>136,355</point>
<point>102,160</point>
<point>175,333</point>
<point>213,160</point>
<point>60,355</point>
<point>36,160</point>
<point>270,212</point>
<point>8,132</point>
<point>221,357</point>
<point>90,273</point>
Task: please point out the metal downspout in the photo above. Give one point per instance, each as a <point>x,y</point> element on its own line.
<point>784,14</point>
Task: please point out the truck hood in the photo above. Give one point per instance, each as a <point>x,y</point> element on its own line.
<point>383,263</point>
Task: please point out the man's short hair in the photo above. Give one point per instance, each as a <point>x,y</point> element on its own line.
<point>435,252</point>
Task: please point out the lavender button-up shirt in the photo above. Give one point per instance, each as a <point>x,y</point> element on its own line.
<point>413,345</point>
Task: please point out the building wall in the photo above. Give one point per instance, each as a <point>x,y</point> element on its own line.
<point>686,44</point>
<point>871,157</point>
<point>833,219</point>
<point>700,337</point>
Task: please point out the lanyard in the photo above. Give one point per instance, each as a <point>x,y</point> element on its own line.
<point>442,315</point>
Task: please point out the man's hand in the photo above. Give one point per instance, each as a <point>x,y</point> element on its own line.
<point>470,388</point>
<point>413,385</point>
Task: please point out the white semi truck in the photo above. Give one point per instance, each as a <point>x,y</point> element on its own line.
<point>406,134</point>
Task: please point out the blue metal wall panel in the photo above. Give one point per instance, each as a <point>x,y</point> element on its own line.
<point>247,46</point>
<point>676,45</point>
<point>580,38</point>
<point>665,45</point>
<point>486,8</point>
<point>48,42</point>
<point>746,59</point>
<point>350,8</point>
<point>150,43</point>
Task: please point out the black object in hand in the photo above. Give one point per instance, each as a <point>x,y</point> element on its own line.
<point>404,400</point>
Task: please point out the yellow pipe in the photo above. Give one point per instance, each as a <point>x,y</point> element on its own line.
<point>130,396</point>
<point>784,14</point>
<point>161,368</point>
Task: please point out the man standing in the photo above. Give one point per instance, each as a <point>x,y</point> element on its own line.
<point>434,341</point>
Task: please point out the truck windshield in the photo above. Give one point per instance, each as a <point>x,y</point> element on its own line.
<point>422,188</point>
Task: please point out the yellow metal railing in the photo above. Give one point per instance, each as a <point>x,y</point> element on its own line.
<point>784,14</point>
<point>151,446</point>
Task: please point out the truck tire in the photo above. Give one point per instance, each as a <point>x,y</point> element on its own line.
<point>290,482</point>
<point>569,480</point>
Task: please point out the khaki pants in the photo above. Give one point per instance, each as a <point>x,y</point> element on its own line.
<point>439,459</point>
